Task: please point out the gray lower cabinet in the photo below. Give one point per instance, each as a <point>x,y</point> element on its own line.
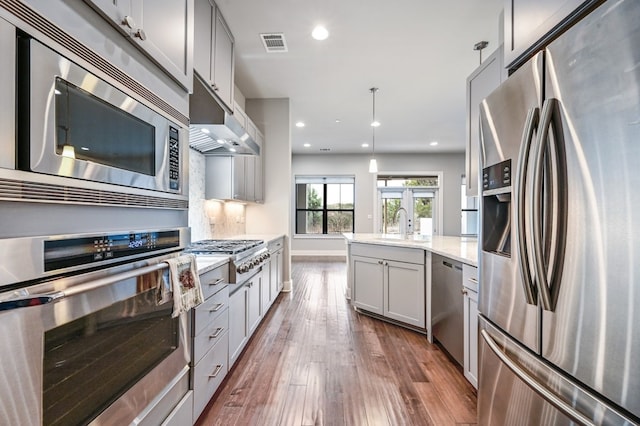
<point>254,305</point>
<point>389,281</point>
<point>470,292</point>
<point>210,338</point>
<point>238,322</point>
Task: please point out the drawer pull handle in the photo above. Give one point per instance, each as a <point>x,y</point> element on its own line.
<point>217,307</point>
<point>216,282</point>
<point>217,333</point>
<point>473,280</point>
<point>216,371</point>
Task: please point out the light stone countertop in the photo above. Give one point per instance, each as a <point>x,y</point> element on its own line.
<point>463,249</point>
<point>266,237</point>
<point>206,262</point>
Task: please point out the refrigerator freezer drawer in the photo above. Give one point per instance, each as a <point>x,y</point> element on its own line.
<point>517,388</point>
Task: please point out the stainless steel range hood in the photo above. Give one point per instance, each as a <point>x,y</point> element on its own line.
<point>213,130</point>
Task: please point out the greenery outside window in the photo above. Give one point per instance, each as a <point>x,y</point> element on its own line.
<point>324,204</point>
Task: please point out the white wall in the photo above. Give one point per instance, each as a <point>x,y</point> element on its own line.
<point>452,166</point>
<point>272,116</point>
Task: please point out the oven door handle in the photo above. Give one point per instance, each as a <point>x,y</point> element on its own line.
<point>44,298</point>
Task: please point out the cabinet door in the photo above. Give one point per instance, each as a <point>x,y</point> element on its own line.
<point>166,33</point>
<point>254,303</point>
<point>368,284</point>
<point>118,12</point>
<point>404,291</point>
<point>480,84</point>
<point>238,327</point>
<point>222,59</point>
<point>239,180</point>
<point>471,336</point>
<point>280,270</point>
<point>250,178</point>
<point>203,38</point>
<point>528,21</point>
<point>265,298</point>
<point>259,170</point>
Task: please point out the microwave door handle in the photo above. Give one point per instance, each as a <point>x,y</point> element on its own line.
<point>536,223</point>
<point>522,168</point>
<point>44,298</point>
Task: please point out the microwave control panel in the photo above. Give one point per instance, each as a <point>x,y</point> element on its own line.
<point>174,159</point>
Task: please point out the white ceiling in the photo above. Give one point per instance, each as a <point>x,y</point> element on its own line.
<point>417,52</point>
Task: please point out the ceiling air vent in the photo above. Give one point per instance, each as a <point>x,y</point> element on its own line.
<point>325,149</point>
<point>274,42</point>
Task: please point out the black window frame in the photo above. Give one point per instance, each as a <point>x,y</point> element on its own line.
<point>324,211</point>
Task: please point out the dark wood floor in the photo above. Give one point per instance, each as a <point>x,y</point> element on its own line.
<point>315,361</point>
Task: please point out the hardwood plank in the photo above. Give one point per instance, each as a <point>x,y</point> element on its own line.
<point>315,361</point>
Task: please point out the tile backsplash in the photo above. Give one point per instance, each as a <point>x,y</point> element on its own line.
<point>210,218</point>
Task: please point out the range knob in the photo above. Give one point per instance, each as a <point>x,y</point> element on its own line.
<point>242,268</point>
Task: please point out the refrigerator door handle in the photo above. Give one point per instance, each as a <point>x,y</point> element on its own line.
<point>548,277</point>
<point>523,163</point>
<point>530,381</point>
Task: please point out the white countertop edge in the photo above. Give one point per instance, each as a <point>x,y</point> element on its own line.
<point>267,238</point>
<point>448,246</point>
<point>206,263</point>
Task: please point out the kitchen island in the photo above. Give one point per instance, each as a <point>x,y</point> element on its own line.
<point>425,283</point>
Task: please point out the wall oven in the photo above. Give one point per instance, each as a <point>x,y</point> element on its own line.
<point>87,329</point>
<point>72,123</point>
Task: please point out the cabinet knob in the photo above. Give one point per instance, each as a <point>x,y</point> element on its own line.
<point>463,291</point>
<point>141,34</point>
<point>128,22</point>
<point>379,262</point>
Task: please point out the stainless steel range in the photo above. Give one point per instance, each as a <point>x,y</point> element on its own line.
<point>246,257</point>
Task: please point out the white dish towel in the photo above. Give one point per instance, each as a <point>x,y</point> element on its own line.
<point>185,283</point>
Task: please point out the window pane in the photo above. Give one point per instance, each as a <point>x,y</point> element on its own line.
<point>338,222</point>
<point>390,208</point>
<point>308,222</point>
<point>339,196</point>
<point>423,215</point>
<point>309,196</point>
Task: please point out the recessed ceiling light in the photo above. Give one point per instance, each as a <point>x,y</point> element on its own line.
<point>337,120</point>
<point>307,145</point>
<point>365,145</point>
<point>300,124</point>
<point>434,143</point>
<point>320,33</point>
<point>375,124</point>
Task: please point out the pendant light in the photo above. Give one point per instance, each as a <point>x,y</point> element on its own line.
<point>373,164</point>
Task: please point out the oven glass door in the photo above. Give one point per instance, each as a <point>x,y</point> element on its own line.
<point>93,360</point>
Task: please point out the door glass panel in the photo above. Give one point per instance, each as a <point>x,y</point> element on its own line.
<point>423,213</point>
<point>90,129</point>
<point>390,206</point>
<point>91,361</point>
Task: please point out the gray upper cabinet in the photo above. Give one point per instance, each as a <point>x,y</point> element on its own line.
<point>480,83</point>
<point>259,169</point>
<point>213,51</point>
<point>162,29</point>
<point>527,23</point>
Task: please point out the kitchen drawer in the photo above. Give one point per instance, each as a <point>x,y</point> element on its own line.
<point>211,335</point>
<point>214,280</point>
<point>209,373</point>
<point>379,251</point>
<point>276,244</point>
<point>470,277</point>
<point>210,310</point>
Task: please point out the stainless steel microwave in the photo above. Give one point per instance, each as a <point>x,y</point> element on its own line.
<point>72,123</point>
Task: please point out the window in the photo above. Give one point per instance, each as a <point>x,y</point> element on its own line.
<point>414,196</point>
<point>324,205</point>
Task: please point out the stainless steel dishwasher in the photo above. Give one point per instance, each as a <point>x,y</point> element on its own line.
<point>447,315</point>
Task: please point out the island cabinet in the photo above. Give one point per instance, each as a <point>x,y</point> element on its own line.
<point>210,334</point>
<point>162,29</point>
<point>470,293</point>
<point>389,281</point>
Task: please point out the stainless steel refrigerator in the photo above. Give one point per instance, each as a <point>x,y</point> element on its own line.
<point>560,231</point>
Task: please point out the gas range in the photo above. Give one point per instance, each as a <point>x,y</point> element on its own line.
<point>246,257</point>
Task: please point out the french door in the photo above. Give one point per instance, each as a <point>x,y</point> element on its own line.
<point>419,204</point>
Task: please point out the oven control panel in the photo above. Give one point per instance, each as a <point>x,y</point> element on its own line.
<point>84,250</point>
